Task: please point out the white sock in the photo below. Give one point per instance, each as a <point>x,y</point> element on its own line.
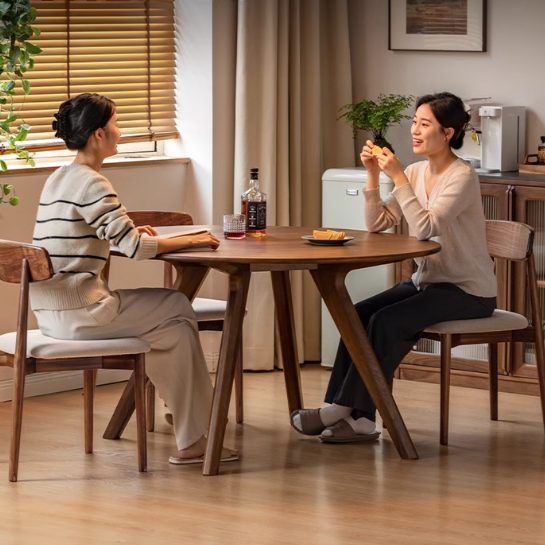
<point>328,415</point>
<point>362,426</point>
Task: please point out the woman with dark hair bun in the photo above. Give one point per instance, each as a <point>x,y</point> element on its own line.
<point>79,217</point>
<point>441,200</point>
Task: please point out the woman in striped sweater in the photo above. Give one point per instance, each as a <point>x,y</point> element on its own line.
<point>79,217</point>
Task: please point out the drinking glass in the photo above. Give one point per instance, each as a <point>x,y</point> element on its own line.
<point>234,226</point>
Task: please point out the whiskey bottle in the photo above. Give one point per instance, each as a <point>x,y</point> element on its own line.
<point>254,207</point>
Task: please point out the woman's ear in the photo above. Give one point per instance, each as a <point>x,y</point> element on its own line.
<point>449,133</point>
<point>99,134</point>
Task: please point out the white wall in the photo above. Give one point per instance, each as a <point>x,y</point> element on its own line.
<point>511,72</point>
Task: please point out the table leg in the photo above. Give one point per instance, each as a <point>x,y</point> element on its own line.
<point>239,282</point>
<point>288,341</point>
<point>188,281</point>
<point>331,283</point>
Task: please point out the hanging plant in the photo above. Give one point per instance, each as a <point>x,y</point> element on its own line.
<point>16,18</point>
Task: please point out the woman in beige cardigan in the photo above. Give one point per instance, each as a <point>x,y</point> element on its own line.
<point>440,199</point>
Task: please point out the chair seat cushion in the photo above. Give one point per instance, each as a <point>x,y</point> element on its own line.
<point>47,348</point>
<point>501,320</point>
<point>208,310</point>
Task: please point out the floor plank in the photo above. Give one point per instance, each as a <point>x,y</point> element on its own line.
<point>488,486</point>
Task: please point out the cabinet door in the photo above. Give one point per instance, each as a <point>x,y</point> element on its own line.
<point>529,208</point>
<point>496,199</point>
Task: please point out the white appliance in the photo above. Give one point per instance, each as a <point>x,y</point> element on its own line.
<point>503,138</point>
<point>342,208</point>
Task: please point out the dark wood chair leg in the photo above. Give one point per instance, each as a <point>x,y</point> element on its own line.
<point>493,377</point>
<point>150,406</point>
<point>140,402</point>
<point>16,418</point>
<point>88,398</point>
<point>446,346</point>
<point>168,276</point>
<point>238,386</point>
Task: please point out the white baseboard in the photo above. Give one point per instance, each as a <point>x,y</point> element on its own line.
<point>50,383</point>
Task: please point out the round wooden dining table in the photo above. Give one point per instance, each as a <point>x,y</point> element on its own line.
<point>282,250</point>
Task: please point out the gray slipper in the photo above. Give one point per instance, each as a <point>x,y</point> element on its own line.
<point>311,422</point>
<point>343,433</point>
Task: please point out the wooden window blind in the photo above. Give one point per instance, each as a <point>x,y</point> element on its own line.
<point>124,49</point>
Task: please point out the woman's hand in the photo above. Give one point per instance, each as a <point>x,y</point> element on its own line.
<point>368,160</point>
<point>147,230</point>
<point>391,166</point>
<point>202,240</point>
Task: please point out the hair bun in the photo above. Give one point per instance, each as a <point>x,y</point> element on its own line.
<point>59,125</point>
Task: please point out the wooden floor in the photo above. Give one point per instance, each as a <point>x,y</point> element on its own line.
<point>487,487</point>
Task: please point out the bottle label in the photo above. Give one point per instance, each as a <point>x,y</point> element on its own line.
<point>541,155</point>
<point>257,216</point>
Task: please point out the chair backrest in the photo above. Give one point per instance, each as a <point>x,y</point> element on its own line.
<point>159,219</point>
<point>12,255</point>
<point>510,240</point>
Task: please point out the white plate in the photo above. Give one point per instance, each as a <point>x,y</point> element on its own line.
<point>327,242</point>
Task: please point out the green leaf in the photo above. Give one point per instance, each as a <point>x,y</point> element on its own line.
<point>9,86</point>
<point>26,126</point>
<point>3,165</point>
<point>37,32</point>
<point>31,64</point>
<point>11,119</point>
<point>26,86</point>
<point>32,49</point>
<point>14,201</point>
<point>4,127</point>
<point>4,7</point>
<point>1,200</point>
<point>22,135</point>
<point>7,189</point>
<point>31,162</point>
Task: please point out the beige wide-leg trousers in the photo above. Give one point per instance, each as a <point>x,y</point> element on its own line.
<point>175,365</point>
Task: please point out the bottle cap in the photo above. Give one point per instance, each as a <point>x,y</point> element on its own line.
<point>253,173</point>
<point>543,138</point>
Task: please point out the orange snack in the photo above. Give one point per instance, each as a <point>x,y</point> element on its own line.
<point>376,150</point>
<point>328,235</point>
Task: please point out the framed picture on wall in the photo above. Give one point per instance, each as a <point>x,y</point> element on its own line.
<point>437,25</point>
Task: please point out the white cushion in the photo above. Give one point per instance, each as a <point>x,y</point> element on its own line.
<point>210,309</point>
<point>501,320</point>
<point>47,348</point>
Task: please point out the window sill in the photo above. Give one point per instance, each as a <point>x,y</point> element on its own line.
<point>117,162</point>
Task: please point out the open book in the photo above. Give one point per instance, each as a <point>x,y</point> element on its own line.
<point>181,234</point>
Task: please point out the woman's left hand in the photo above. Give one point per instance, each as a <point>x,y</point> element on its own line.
<point>391,166</point>
<point>147,230</point>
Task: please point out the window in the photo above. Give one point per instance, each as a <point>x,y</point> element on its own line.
<point>124,49</point>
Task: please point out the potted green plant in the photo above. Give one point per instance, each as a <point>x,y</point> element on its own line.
<point>16,52</point>
<point>377,116</point>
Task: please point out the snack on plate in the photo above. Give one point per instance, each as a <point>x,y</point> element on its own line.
<point>376,150</point>
<point>328,235</point>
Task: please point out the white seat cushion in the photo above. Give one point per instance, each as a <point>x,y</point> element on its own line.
<point>210,309</point>
<point>47,348</point>
<point>501,320</point>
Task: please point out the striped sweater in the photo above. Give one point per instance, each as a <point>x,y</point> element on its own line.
<point>78,218</point>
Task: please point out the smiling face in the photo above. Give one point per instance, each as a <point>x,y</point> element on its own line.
<point>111,136</point>
<point>429,137</point>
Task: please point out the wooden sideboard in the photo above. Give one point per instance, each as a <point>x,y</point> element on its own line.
<point>505,196</point>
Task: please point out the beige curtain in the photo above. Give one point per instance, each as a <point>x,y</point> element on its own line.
<point>292,75</point>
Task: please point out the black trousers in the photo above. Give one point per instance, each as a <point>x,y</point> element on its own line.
<point>394,321</point>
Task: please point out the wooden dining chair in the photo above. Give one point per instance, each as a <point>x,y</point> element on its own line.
<point>210,312</point>
<point>513,242</point>
<point>29,352</point>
